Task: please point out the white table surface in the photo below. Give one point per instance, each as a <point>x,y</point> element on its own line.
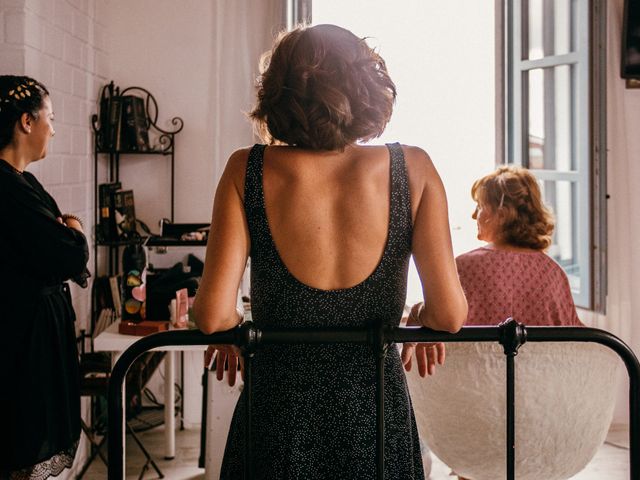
<point>110,340</point>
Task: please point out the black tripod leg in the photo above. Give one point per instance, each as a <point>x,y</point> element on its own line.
<point>146,454</point>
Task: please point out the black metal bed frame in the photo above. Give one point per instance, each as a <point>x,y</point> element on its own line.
<point>510,334</point>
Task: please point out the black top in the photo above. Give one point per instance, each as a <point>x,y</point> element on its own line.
<point>314,405</point>
<point>39,383</point>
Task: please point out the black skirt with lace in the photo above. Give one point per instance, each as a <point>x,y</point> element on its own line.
<point>49,468</point>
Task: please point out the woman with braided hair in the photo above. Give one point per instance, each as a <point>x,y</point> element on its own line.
<point>40,249</point>
<point>512,276</point>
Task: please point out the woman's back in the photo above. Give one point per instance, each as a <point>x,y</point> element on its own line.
<point>526,285</point>
<point>340,260</point>
<point>328,212</point>
<point>512,276</point>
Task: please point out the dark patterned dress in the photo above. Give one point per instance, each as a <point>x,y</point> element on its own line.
<point>39,379</point>
<point>314,405</point>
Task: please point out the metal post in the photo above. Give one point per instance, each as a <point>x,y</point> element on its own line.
<point>248,339</point>
<point>565,334</point>
<point>173,177</point>
<point>634,422</point>
<point>115,439</point>
<point>169,405</point>
<point>512,336</point>
<point>511,417</point>
<point>116,417</point>
<point>203,422</point>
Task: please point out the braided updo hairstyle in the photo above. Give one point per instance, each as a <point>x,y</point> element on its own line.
<point>322,88</point>
<point>18,95</point>
<point>513,195</point>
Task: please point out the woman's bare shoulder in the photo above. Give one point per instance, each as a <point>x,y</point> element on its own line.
<point>419,163</point>
<point>423,176</point>
<point>238,160</point>
<point>236,168</point>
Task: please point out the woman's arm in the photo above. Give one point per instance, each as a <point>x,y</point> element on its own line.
<point>227,252</point>
<point>445,306</point>
<point>50,247</point>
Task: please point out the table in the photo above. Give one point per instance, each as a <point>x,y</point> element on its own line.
<point>110,340</point>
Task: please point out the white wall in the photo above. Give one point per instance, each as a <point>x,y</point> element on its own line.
<point>623,186</point>
<point>200,61</point>
<point>167,49</point>
<point>623,182</point>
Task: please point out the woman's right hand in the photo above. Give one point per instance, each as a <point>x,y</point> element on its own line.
<point>71,223</point>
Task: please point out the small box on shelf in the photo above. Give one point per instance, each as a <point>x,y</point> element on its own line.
<point>146,327</point>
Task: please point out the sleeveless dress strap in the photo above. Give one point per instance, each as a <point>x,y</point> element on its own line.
<point>254,196</point>
<point>400,223</point>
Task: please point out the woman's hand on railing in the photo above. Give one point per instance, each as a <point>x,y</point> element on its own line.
<point>427,354</point>
<point>227,356</point>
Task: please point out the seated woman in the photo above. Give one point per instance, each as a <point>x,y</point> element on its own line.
<point>512,276</point>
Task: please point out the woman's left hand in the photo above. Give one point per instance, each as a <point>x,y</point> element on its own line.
<point>427,354</point>
<point>227,355</point>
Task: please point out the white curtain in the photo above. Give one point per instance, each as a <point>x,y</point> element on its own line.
<point>242,31</point>
<point>623,179</point>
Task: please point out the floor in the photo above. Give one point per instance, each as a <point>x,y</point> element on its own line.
<point>183,467</point>
<point>610,463</point>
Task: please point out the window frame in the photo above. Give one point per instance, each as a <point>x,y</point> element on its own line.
<point>588,121</point>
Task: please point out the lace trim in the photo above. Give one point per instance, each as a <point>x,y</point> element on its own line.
<point>49,468</point>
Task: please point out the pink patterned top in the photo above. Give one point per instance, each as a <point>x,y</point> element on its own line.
<point>528,286</point>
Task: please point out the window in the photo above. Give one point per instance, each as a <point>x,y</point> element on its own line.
<point>548,123</point>
<point>446,83</point>
<point>533,97</point>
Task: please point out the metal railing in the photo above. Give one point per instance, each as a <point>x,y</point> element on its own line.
<point>510,334</point>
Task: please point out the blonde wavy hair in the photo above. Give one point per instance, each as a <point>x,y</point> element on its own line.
<point>513,195</point>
